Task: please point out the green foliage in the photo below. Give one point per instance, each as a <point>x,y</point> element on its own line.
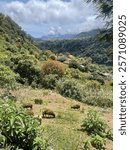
<point>73,64</point>
<point>49,81</point>
<point>70,88</point>
<point>94,124</point>
<point>109,134</point>
<point>62,58</point>
<point>84,47</point>
<point>19,130</point>
<point>38,101</point>
<point>98,142</point>
<point>87,145</point>
<point>7,77</point>
<point>28,71</point>
<point>53,57</point>
<point>98,100</point>
<point>48,53</point>
<point>93,85</point>
<point>99,78</point>
<point>52,67</point>
<point>76,74</point>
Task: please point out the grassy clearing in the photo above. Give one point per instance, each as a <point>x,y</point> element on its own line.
<point>64,131</point>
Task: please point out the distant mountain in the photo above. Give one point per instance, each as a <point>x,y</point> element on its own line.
<point>88,34</point>
<point>57,37</point>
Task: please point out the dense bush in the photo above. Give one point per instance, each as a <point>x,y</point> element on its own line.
<point>53,57</point>
<point>53,67</point>
<point>7,77</point>
<point>70,88</point>
<point>94,124</point>
<point>48,53</point>
<point>98,142</point>
<point>93,85</point>
<point>19,130</point>
<point>62,58</point>
<point>97,77</point>
<point>49,81</point>
<point>98,100</point>
<point>28,71</point>
<point>73,63</point>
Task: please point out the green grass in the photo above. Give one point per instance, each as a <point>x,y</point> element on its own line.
<point>64,131</point>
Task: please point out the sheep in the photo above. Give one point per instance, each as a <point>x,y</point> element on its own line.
<point>39,119</point>
<point>48,114</point>
<point>28,105</point>
<point>76,106</point>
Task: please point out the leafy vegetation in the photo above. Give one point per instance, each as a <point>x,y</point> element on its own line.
<point>93,124</point>
<point>96,141</point>
<point>70,88</point>
<point>7,77</point>
<point>53,67</point>
<point>17,129</point>
<point>88,47</point>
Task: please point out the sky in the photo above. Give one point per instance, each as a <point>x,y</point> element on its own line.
<point>52,17</point>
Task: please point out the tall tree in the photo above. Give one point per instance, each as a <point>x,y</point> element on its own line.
<point>105,8</point>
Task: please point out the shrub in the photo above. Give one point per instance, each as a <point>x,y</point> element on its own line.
<point>28,71</point>
<point>73,64</point>
<point>19,130</point>
<point>62,58</point>
<point>98,78</point>
<point>48,53</point>
<point>53,57</point>
<point>70,88</point>
<point>98,100</point>
<point>109,134</point>
<point>93,85</point>
<point>76,74</point>
<point>98,142</point>
<point>49,81</point>
<point>53,67</point>
<point>93,124</point>
<point>38,101</point>
<point>87,145</point>
<point>7,77</point>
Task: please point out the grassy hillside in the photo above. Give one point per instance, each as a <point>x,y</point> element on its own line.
<point>40,92</point>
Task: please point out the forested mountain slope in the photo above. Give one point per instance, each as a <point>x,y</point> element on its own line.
<point>85,45</point>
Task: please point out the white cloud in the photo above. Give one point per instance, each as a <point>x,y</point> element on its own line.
<point>70,16</point>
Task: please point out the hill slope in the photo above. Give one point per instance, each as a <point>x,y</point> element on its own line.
<point>13,39</point>
<point>17,52</point>
<point>91,47</point>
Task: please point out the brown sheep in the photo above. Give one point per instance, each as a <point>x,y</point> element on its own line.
<point>28,105</point>
<point>76,106</point>
<point>48,114</point>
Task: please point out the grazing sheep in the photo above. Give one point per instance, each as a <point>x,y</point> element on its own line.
<point>48,114</point>
<point>28,106</point>
<point>39,119</point>
<point>76,106</point>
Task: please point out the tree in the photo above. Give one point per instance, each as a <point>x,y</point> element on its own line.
<point>105,8</point>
